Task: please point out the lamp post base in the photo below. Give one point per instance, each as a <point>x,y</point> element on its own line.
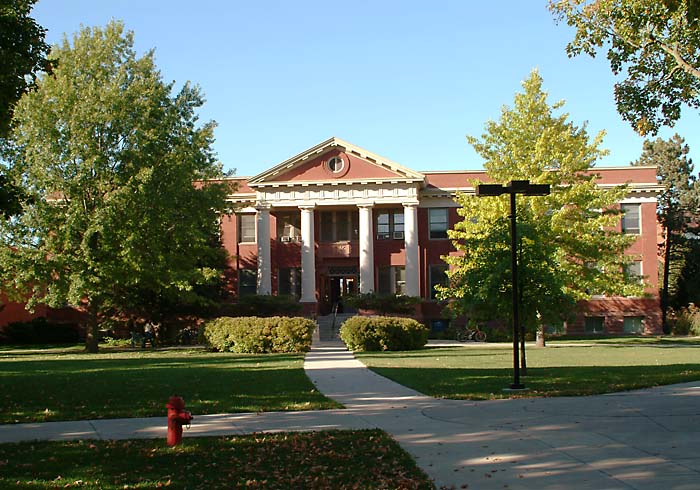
<point>514,388</point>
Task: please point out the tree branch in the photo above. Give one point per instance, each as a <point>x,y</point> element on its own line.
<point>680,61</point>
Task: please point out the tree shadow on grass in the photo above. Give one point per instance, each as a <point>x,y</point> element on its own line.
<point>50,390</point>
<point>485,384</point>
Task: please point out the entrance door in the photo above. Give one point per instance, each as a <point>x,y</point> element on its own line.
<point>340,287</point>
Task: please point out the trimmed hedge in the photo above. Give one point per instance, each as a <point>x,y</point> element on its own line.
<point>256,335</point>
<point>379,333</point>
<point>384,304</point>
<point>262,305</point>
<point>39,331</point>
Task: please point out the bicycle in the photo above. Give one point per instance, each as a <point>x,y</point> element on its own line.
<point>465,333</point>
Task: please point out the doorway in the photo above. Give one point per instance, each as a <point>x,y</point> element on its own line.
<point>340,287</point>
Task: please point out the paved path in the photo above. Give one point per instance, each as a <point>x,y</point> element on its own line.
<point>649,439</point>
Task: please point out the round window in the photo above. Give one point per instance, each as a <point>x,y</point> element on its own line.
<point>336,165</point>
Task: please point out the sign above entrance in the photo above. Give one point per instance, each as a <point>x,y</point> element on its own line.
<point>348,270</point>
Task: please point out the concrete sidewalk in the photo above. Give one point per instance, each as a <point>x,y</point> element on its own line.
<point>640,440</point>
<point>647,439</point>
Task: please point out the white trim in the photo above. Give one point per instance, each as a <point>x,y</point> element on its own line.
<point>405,173</point>
<point>308,256</point>
<point>366,248</point>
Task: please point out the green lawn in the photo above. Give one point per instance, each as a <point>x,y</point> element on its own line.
<point>661,340</point>
<point>67,384</point>
<point>481,372</point>
<point>322,460</point>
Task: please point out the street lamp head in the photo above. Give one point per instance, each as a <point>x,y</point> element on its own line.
<point>537,190</point>
<point>490,190</point>
<point>518,186</point>
<point>525,188</point>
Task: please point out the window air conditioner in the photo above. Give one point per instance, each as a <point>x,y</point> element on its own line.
<point>285,239</point>
<point>398,234</point>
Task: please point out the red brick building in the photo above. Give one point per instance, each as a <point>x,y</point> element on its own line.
<point>336,220</point>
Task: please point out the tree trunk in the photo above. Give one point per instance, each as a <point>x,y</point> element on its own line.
<point>92,331</point>
<point>523,362</point>
<point>540,336</point>
<point>664,288</point>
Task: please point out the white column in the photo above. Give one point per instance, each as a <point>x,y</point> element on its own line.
<point>366,249</point>
<point>410,220</point>
<point>263,239</point>
<point>308,256</point>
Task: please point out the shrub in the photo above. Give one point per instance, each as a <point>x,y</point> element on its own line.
<point>112,342</point>
<point>39,331</point>
<point>384,304</point>
<point>379,333</point>
<point>263,306</point>
<point>256,335</point>
<point>686,321</point>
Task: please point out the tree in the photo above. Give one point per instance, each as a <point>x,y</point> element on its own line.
<point>568,248</point>
<point>657,44</point>
<point>22,57</point>
<point>687,277</point>
<point>677,205</point>
<point>109,156</point>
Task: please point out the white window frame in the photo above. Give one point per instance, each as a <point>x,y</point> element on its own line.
<point>640,276</point>
<point>641,318</point>
<point>432,221</point>
<point>396,284</point>
<point>396,225</point>
<point>631,230</point>
<point>251,289</point>
<point>432,293</point>
<point>240,227</point>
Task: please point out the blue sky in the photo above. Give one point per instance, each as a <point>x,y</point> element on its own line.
<point>401,78</point>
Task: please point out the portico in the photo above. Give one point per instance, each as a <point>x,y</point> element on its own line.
<point>336,196</point>
<point>354,253</point>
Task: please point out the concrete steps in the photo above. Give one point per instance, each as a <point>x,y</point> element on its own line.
<point>329,325</point>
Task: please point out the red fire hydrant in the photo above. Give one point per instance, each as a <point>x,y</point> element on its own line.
<point>177,417</point>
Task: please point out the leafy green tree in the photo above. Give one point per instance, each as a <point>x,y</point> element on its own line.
<point>22,57</point>
<point>677,207</point>
<point>109,153</point>
<point>687,278</point>
<point>567,250</point>
<point>657,45</point>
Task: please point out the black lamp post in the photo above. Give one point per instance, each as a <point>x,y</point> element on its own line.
<point>512,188</point>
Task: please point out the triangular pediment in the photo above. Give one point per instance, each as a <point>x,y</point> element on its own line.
<point>335,160</point>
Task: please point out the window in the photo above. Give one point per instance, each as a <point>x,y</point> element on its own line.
<point>594,324</point>
<point>390,225</point>
<point>634,324</point>
<point>633,271</point>
<point>246,228</point>
<point>391,280</point>
<point>439,325</point>
<point>338,226</point>
<point>289,279</point>
<point>630,219</point>
<point>336,165</point>
<point>438,277</point>
<point>437,222</point>
<point>327,228</point>
<point>557,328</point>
<point>247,282</point>
<point>342,227</point>
<point>289,227</point>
